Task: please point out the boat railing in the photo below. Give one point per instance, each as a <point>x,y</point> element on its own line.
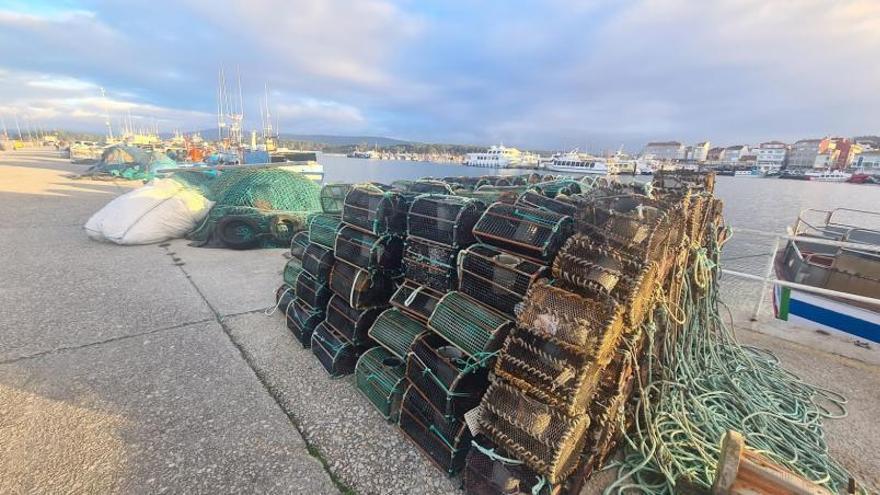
<point>768,279</point>
<point>829,218</point>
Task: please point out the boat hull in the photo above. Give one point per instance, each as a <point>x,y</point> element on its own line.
<point>828,314</point>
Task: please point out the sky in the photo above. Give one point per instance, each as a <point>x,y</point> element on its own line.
<point>552,74</point>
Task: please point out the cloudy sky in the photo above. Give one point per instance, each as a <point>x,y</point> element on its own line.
<point>549,74</point>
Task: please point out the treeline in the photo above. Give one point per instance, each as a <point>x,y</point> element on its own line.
<point>421,148</point>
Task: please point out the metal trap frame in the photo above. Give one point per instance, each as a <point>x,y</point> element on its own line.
<point>332,197</point>
<point>292,269</point>
<point>352,324</point>
<point>302,320</point>
<point>418,301</point>
<point>359,288</point>
<point>373,210</point>
<point>534,199</point>
<point>449,379</point>
<point>429,186</point>
<point>336,354</point>
<point>491,471</point>
<point>312,292</point>
<point>529,232</point>
<point>465,323</point>
<point>444,440</point>
<point>430,264</point>
<point>369,251</point>
<point>557,187</point>
<point>447,220</point>
<point>496,278</point>
<point>317,261</point>
<point>380,377</point>
<point>323,228</point>
<point>396,332</point>
<point>298,243</point>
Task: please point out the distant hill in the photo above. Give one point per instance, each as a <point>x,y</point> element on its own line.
<point>368,141</point>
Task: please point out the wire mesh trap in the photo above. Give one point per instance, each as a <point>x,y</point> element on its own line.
<point>302,320</point>
<point>323,228</point>
<point>332,197</point>
<point>546,439</point>
<point>352,324</point>
<point>430,264</point>
<point>446,220</point>
<point>317,261</point>
<point>630,223</point>
<point>336,354</point>
<point>284,296</point>
<point>490,471</point>
<point>529,232</point>
<point>369,208</point>
<point>380,377</point>
<point>359,288</point>
<point>429,186</point>
<point>556,187</point>
<point>468,325</point>
<point>395,331</point>
<point>443,439</point>
<point>369,251</point>
<point>292,269</point>
<point>298,244</point>
<point>312,292</point>
<point>453,382</point>
<point>495,194</point>
<point>496,278</point>
<point>418,301</point>
<point>681,182</point>
<point>559,204</point>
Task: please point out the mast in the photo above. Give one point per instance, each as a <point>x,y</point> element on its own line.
<point>107,116</point>
<point>17,127</point>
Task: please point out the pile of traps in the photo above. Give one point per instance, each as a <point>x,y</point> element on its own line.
<point>509,332</point>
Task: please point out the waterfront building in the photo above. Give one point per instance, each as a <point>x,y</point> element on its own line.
<point>867,162</point>
<point>715,154</point>
<point>732,154</point>
<point>664,150</point>
<point>699,152</point>
<point>802,154</point>
<point>770,156</point>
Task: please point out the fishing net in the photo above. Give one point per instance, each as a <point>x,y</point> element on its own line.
<point>443,439</point>
<point>359,288</point>
<point>449,379</point>
<point>496,278</point>
<point>302,320</point>
<point>395,331</point>
<point>336,354</point>
<point>373,210</point>
<point>559,204</point>
<point>323,228</point>
<point>332,197</point>
<point>292,269</point>
<point>430,264</point>
<point>369,251</point>
<point>312,292</point>
<point>446,220</point>
<point>352,324</point>
<point>380,377</point>
<point>318,262</point>
<point>468,325</point>
<point>416,300</point>
<point>529,232</point>
<point>298,244</point>
<point>546,439</point>
<point>489,471</point>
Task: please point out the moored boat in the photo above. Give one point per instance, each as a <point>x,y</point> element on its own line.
<point>829,176</point>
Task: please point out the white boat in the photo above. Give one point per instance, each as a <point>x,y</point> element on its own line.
<point>749,173</point>
<point>829,176</point>
<point>574,162</point>
<point>838,254</point>
<point>502,157</point>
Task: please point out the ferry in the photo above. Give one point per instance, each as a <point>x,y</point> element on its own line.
<point>502,157</point>
<point>574,162</point>
<point>839,251</point>
<point>829,176</point>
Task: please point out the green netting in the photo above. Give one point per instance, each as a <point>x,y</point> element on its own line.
<point>468,325</point>
<point>396,331</point>
<point>381,377</point>
<point>322,229</point>
<point>291,271</point>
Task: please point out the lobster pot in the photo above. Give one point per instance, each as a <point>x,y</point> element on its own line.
<point>322,229</point>
<point>396,332</point>
<point>537,234</point>
<point>302,320</point>
<point>373,210</point>
<point>298,244</point>
<point>491,194</point>
<point>312,292</point>
<point>534,199</point>
<point>337,355</point>
<point>597,269</point>
<point>446,220</point>
<point>380,376</point>
<point>368,251</point>
<point>468,325</point>
<point>284,296</point>
<point>428,186</point>
<point>496,278</point>
<point>546,439</point>
<point>490,472</point>
<point>332,197</point>
<point>680,182</point>
<point>557,187</point>
<point>558,374</point>
<point>591,324</point>
<point>359,288</point>
<point>632,224</point>
<point>442,373</point>
<point>352,324</point>
<point>443,439</point>
<point>430,264</point>
<point>318,261</point>
<point>292,269</point>
<point>416,300</point>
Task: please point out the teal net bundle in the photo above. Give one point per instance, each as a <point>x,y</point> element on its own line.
<point>256,208</point>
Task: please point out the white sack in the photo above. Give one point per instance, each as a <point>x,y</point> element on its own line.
<point>161,210</point>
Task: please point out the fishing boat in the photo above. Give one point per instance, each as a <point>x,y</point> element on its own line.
<point>751,173</point>
<point>829,176</point>
<point>502,157</point>
<point>837,252</point>
<point>575,162</point>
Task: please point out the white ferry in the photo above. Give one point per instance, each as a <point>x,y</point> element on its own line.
<point>574,162</point>
<point>502,157</point>
<point>829,176</point>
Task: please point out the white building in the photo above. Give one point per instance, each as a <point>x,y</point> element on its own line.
<point>770,156</point>
<point>732,154</point>
<point>699,152</point>
<point>803,154</point>
<point>867,161</point>
<point>664,150</point>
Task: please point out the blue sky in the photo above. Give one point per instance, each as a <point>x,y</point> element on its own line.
<point>543,74</point>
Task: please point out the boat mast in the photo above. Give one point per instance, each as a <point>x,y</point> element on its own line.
<point>107,116</point>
